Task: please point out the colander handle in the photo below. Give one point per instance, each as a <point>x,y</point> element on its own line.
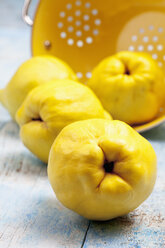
<point>27,19</point>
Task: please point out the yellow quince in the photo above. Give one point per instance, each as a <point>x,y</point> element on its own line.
<point>130,85</point>
<point>33,72</point>
<point>50,107</point>
<point>101,169</point>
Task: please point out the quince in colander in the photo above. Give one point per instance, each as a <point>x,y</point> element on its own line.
<point>130,86</point>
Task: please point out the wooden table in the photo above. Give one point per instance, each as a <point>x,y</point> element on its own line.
<point>30,215</point>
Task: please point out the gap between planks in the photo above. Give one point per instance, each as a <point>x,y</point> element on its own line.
<point>85,236</point>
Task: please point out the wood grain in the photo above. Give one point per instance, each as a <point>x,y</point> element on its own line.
<point>30,215</point>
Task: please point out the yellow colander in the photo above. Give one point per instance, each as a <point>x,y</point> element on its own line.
<point>83,32</point>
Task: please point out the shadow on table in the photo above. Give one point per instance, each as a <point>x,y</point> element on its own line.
<point>157,133</point>
<point>114,233</point>
<point>58,223</point>
<point>115,224</point>
<point>53,225</point>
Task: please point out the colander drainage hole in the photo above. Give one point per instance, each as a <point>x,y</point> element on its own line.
<point>70,29</point>
<point>79,74</point>
<point>155,56</point>
<point>160,30</point>
<point>86,27</point>
<point>78,3</point>
<point>87,5</point>
<point>141,30</point>
<point>87,75</point>
<point>94,12</point>
<point>63,35</point>
<point>160,47</point>
<point>77,13</point>
<point>134,38</point>
<point>146,39</point>
<point>140,48</point>
<point>86,17</point>
<point>69,6</point>
<point>62,14</point>
<point>78,23</point>
<point>155,38</point>
<point>80,43</point>
<point>89,40</point>
<point>60,25</point>
<point>79,33</point>
<point>131,48</point>
<point>70,42</point>
<point>95,31</point>
<point>97,22</point>
<point>151,27</point>
<point>70,18</point>
<point>150,48</point>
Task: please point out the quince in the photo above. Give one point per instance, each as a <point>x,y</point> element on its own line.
<point>33,72</point>
<point>50,107</point>
<point>101,169</point>
<point>131,86</point>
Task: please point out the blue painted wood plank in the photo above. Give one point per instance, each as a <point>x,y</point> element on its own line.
<point>30,215</point>
<point>145,227</point>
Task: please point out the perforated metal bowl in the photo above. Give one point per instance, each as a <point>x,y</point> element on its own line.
<point>83,32</point>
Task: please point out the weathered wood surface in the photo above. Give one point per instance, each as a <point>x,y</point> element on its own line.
<point>145,227</point>
<point>30,215</point>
